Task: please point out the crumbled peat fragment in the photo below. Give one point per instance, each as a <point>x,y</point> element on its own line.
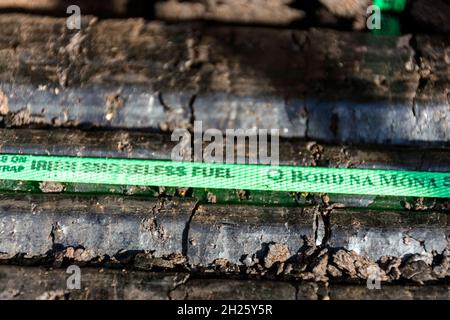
<point>223,266</point>
<point>243,194</point>
<point>4,107</point>
<point>147,261</point>
<point>80,256</point>
<point>311,263</point>
<point>314,263</point>
<point>391,266</point>
<point>113,103</point>
<point>422,268</point>
<point>51,187</point>
<point>53,295</point>
<point>276,253</point>
<point>355,266</point>
<point>211,197</point>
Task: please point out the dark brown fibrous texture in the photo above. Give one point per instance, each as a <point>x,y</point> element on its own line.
<point>137,75</point>
<point>430,15</point>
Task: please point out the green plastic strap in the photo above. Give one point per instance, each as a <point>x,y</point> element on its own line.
<point>391,5</point>
<point>224,176</point>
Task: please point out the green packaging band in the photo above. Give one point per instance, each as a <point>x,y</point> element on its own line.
<point>224,176</point>
<point>391,5</point>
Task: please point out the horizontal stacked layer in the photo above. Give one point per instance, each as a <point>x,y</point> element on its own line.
<point>226,231</point>
<point>136,75</point>
<point>118,88</point>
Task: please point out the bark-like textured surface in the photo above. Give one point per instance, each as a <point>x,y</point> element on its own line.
<point>20,283</point>
<point>274,12</point>
<point>99,7</point>
<point>156,146</point>
<point>318,84</point>
<point>24,283</point>
<point>103,226</point>
<point>170,234</point>
<point>370,233</point>
<point>132,74</point>
<point>237,233</point>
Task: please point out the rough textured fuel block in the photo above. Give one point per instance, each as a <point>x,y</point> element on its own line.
<point>26,283</point>
<point>131,74</point>
<point>225,176</point>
